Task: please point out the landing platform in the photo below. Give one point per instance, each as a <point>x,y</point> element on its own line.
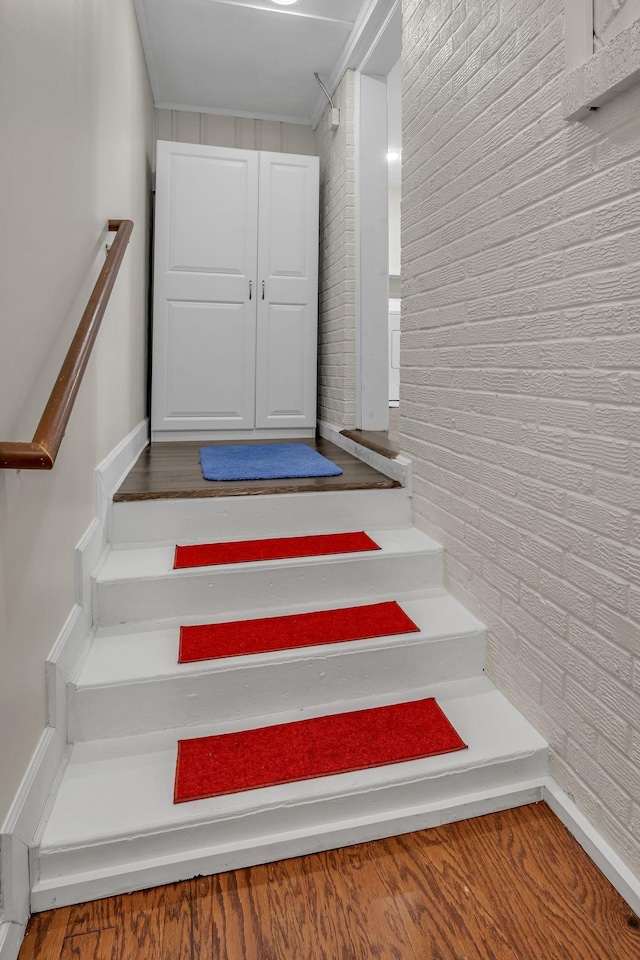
<point>172,471</point>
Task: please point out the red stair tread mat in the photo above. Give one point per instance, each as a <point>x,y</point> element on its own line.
<point>319,747</point>
<point>239,638</point>
<point>280,548</point>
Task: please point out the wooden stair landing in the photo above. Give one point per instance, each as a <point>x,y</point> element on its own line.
<point>170,471</point>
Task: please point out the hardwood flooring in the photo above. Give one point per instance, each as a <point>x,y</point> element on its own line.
<point>510,886</point>
<point>172,470</point>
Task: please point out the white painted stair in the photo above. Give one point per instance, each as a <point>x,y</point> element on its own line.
<point>131,682</point>
<point>113,826</point>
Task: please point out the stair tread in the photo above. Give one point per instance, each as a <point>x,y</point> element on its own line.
<point>124,563</point>
<point>123,788</point>
<point>126,654</point>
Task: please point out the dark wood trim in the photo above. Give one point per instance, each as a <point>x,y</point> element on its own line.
<point>376,440</point>
<point>41,453</point>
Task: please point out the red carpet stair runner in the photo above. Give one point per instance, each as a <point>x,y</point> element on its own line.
<point>244,637</point>
<point>306,749</point>
<point>280,548</point>
<point>320,747</point>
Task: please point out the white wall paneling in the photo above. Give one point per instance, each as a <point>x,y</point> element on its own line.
<point>227,130</point>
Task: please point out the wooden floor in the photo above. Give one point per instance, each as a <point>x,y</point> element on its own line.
<point>511,886</point>
<point>172,471</point>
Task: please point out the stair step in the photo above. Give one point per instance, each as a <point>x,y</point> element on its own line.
<point>272,515</point>
<point>140,583</point>
<point>131,681</point>
<point>114,828</point>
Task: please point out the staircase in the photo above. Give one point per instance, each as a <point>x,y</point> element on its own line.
<point>113,826</point>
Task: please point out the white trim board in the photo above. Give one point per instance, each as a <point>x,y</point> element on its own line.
<point>109,475</point>
<point>208,436</point>
<point>578,32</point>
<point>20,827</point>
<point>11,937</point>
<point>372,20</point>
<point>593,843</point>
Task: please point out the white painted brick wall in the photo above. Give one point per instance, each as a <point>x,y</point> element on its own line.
<point>337,279</point>
<point>242,133</point>
<point>520,382</point>
<point>612,16</point>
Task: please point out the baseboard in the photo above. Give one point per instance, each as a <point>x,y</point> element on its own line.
<point>21,825</point>
<point>18,833</point>
<point>595,846</point>
<point>11,937</point>
<point>398,469</point>
<point>109,475</point>
<point>113,469</point>
<point>211,436</point>
<point>61,663</point>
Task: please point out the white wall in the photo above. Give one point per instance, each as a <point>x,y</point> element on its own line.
<point>394,231</point>
<point>76,117</point>
<point>243,133</point>
<point>337,268</point>
<point>520,395</point>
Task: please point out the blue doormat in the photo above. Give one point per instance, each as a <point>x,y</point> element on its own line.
<point>264,461</point>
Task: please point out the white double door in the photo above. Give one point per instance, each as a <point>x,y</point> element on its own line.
<point>235,293</point>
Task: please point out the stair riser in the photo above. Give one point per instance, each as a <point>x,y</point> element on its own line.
<point>77,875</point>
<point>229,590</point>
<point>235,518</point>
<point>306,679</point>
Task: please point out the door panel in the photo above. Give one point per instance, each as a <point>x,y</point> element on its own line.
<point>208,216</point>
<point>204,382</point>
<point>288,368</point>
<point>285,253</point>
<point>205,288</point>
<point>286,345</point>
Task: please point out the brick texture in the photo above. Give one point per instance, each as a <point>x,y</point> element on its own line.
<point>337,277</point>
<point>520,382</point>
<point>611,16</point>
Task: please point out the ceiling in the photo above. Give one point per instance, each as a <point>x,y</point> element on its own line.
<point>246,57</point>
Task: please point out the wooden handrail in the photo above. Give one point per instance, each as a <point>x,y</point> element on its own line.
<point>41,453</point>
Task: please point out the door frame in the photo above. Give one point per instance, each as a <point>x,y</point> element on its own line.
<point>372,243</point>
